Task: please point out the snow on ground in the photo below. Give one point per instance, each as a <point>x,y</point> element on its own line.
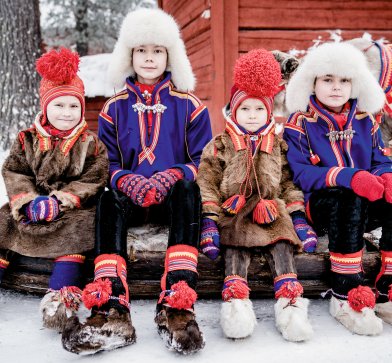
<point>22,339</point>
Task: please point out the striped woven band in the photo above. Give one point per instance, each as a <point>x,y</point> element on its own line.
<point>71,258</point>
<point>281,279</point>
<point>4,263</point>
<point>181,257</point>
<point>346,263</point>
<point>110,265</point>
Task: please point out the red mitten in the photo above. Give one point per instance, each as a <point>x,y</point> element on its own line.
<point>387,179</point>
<point>367,185</point>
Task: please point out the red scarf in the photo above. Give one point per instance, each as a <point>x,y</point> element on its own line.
<point>340,117</point>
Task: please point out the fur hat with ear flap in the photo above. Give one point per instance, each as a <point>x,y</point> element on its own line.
<point>338,59</point>
<point>145,27</point>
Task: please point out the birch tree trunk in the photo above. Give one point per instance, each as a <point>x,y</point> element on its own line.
<point>20,39</point>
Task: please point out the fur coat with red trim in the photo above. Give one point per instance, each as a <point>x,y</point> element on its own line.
<point>221,172</point>
<point>75,176</point>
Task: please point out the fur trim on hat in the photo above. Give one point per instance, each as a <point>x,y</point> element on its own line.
<point>342,60</point>
<point>144,27</point>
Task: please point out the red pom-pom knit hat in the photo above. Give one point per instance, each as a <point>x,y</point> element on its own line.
<point>256,75</point>
<point>58,70</point>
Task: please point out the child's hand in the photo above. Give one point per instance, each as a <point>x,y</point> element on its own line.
<point>304,232</point>
<point>210,240</point>
<point>163,181</point>
<point>42,209</point>
<point>387,179</point>
<point>138,188</point>
<point>367,185</point>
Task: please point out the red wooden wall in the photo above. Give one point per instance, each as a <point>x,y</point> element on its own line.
<point>233,27</point>
<point>236,26</point>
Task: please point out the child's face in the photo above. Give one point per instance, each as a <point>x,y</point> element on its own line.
<point>333,91</point>
<point>149,63</point>
<point>64,112</point>
<point>251,114</point>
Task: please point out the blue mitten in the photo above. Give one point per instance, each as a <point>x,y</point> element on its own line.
<point>209,243</point>
<point>42,209</point>
<point>304,232</point>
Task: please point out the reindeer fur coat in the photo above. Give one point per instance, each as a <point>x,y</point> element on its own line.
<point>74,172</point>
<point>221,172</point>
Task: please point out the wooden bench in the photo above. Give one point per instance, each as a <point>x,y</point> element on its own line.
<point>147,245</point>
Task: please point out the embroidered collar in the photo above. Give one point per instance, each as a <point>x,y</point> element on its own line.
<point>265,137</point>
<point>46,141</point>
<point>132,86</point>
<point>317,110</point>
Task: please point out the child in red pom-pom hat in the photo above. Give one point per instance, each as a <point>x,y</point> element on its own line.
<point>249,201</point>
<point>53,174</point>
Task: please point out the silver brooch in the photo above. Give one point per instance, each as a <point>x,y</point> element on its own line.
<point>340,135</point>
<point>141,107</point>
<point>146,95</point>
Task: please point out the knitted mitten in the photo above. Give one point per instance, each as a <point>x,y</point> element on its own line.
<point>138,188</point>
<point>42,209</point>
<point>387,179</point>
<point>163,181</point>
<point>304,232</point>
<point>367,185</point>
<point>209,242</point>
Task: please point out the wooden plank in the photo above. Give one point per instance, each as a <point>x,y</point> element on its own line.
<point>218,90</point>
<point>203,89</point>
<point>145,269</point>
<point>195,28</point>
<point>317,15</point>
<point>200,38</point>
<point>319,4</point>
<point>95,103</point>
<point>204,47</point>
<point>190,12</point>
<point>296,39</point>
<point>204,74</point>
<point>231,45</point>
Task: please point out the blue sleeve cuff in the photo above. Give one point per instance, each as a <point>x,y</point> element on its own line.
<point>344,177</point>
<point>117,175</point>
<point>189,170</point>
<point>381,171</point>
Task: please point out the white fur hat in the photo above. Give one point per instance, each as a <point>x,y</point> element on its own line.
<point>342,60</point>
<point>150,26</point>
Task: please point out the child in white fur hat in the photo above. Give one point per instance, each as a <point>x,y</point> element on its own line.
<point>338,159</point>
<point>155,131</point>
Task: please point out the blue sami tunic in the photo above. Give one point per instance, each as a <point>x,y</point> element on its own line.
<point>177,138</point>
<point>340,159</point>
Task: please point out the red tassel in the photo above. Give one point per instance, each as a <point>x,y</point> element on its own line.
<point>234,204</point>
<point>266,211</point>
<point>235,290</point>
<point>182,296</point>
<point>361,297</point>
<point>290,290</point>
<point>97,293</point>
<point>71,297</point>
<point>314,159</point>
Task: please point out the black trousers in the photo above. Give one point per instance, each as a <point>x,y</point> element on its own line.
<point>181,211</point>
<point>345,217</point>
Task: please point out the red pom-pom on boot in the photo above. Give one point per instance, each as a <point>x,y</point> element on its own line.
<point>97,293</point>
